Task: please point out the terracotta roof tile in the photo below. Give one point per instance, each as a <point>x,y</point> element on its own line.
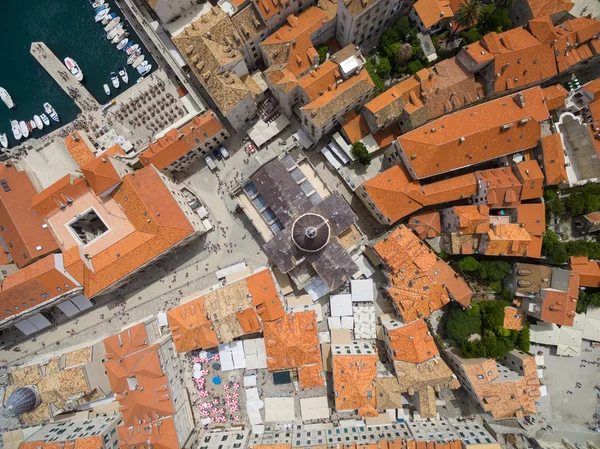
<point>559,307</point>
<point>588,270</point>
<point>191,327</point>
<point>412,342</point>
<point>78,148</point>
<point>94,442</point>
<point>532,179</point>
<point>265,296</point>
<point>533,217</point>
<point>159,434</point>
<point>100,174</point>
<point>432,11</point>
<point>555,96</point>
<point>477,134</point>
<point>513,319</point>
<point>503,187</point>
<point>293,342</point>
<point>23,233</point>
<point>419,283</point>
<point>472,219</point>
<point>548,7</point>
<point>427,224</point>
<point>509,239</point>
<point>355,126</point>
<point>554,160</point>
<point>389,105</point>
<point>318,81</point>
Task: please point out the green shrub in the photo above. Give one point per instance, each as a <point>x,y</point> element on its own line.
<point>322,52</point>
<point>468,264</point>
<point>359,150</point>
<point>414,66</point>
<point>460,324</point>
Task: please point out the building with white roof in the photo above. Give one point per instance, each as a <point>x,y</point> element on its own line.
<point>362,290</point>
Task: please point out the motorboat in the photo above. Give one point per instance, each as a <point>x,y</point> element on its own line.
<point>24,129</point>
<point>112,33</point>
<point>38,121</point>
<point>122,44</point>
<point>16,129</point>
<point>120,35</point>
<point>133,55</point>
<point>101,15</point>
<point>31,124</point>
<point>115,80</point>
<point>108,18</point>
<point>97,4</point>
<point>101,8</point>
<point>113,23</point>
<point>132,49</point>
<point>138,61</point>
<point>51,112</point>
<point>74,69</point>
<point>144,70</point>
<point>6,98</point>
<point>106,89</point>
<point>4,140</point>
<point>45,119</point>
<point>126,47</point>
<point>123,74</point>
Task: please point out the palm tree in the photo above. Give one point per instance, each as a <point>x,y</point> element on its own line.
<point>466,16</point>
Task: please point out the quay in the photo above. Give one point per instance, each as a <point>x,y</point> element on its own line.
<point>54,66</point>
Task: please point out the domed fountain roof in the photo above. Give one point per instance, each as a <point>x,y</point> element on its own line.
<point>22,400</point>
<point>310,232</point>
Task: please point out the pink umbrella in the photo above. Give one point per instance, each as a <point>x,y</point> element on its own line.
<point>227,396</point>
<point>236,417</point>
<point>235,395</point>
<point>196,360</point>
<point>236,386</point>
<point>215,357</point>
<point>212,419</point>
<point>226,387</point>
<point>216,401</point>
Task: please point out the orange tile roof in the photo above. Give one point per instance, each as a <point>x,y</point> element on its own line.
<point>191,323</point>
<point>386,136</point>
<point>476,134</point>
<point>94,442</point>
<point>588,270</point>
<point>293,342</point>
<point>432,11</point>
<point>503,397</point>
<point>559,307</point>
<point>269,8</point>
<point>593,87</point>
<point>420,282</point>
<point>427,224</point>
<point>291,44</point>
<point>554,160</point>
<point>555,96</point>
<point>353,382</point>
<point>147,407</point>
<point>100,174</point>
<point>80,152</point>
<point>355,126</point>
<point>21,229</point>
<point>412,342</point>
<point>390,104</point>
<point>509,239</point>
<point>36,284</point>
<point>504,188</point>
<point>318,81</point>
<point>513,319</point>
<point>472,219</point>
<point>541,8</point>
<point>177,143</point>
<point>532,179</point>
<point>533,217</point>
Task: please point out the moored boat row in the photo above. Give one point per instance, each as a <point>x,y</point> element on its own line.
<point>22,129</point>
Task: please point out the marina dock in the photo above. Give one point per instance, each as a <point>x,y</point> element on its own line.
<point>64,78</point>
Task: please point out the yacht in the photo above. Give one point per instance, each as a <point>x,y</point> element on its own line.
<point>122,44</point>
<point>123,74</point>
<point>100,16</point>
<point>24,129</point>
<point>138,61</point>
<point>16,129</point>
<point>108,18</point>
<point>51,112</point>
<point>3,140</point>
<point>116,30</point>
<point>144,69</point>
<point>45,119</point>
<point>133,56</point>
<point>120,35</point>
<point>106,89</point>
<point>113,23</point>
<point>115,80</point>
<point>74,69</point>
<point>31,124</point>
<point>38,121</point>
<point>6,98</point>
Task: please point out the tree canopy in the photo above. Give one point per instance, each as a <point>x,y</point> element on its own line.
<point>359,150</point>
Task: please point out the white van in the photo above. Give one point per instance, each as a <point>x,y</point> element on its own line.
<point>224,152</point>
<point>211,164</point>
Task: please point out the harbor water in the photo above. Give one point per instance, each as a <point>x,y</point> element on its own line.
<point>68,29</point>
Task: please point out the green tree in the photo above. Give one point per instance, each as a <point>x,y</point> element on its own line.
<point>371,70</point>
<point>359,150</point>
<point>383,68</point>
<point>588,299</point>
<point>460,324</point>
<point>583,248</point>
<point>471,35</point>
<point>404,53</point>
<point>493,270</point>
<point>498,19</point>
<point>498,6</point>
<point>414,66</point>
<point>523,343</point>
<point>322,52</point>
<point>468,264</point>
<point>576,203</point>
<point>558,254</point>
<point>492,313</point>
<point>468,14</point>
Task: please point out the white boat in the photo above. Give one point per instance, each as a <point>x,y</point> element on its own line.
<point>106,89</point>
<point>3,140</point>
<point>51,112</point>
<point>133,56</point>
<point>97,4</point>
<point>24,129</point>
<point>32,124</point>
<point>101,8</point>
<point>132,49</point>
<point>101,15</point>
<point>123,74</point>
<point>74,69</point>
<point>143,70</point>
<point>108,18</point>
<point>45,119</point>
<point>121,44</point>
<point>38,121</point>
<point>120,35</point>
<point>113,23</point>
<point>16,129</point>
<point>6,98</point>
<point>112,33</point>
<point>115,80</point>
<point>138,61</point>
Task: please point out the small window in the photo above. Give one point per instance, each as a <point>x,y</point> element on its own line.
<point>480,376</point>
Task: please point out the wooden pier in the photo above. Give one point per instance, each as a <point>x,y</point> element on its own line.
<point>63,77</point>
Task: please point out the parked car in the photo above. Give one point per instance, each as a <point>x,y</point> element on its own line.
<point>217,155</point>
<point>211,164</point>
<point>224,152</point>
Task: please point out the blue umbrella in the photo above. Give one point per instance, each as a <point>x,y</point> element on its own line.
<point>216,380</point>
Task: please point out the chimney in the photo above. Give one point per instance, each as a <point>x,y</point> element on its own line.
<point>520,100</point>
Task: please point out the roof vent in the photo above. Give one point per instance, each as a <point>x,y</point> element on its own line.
<point>506,127</point>
<point>461,140</point>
